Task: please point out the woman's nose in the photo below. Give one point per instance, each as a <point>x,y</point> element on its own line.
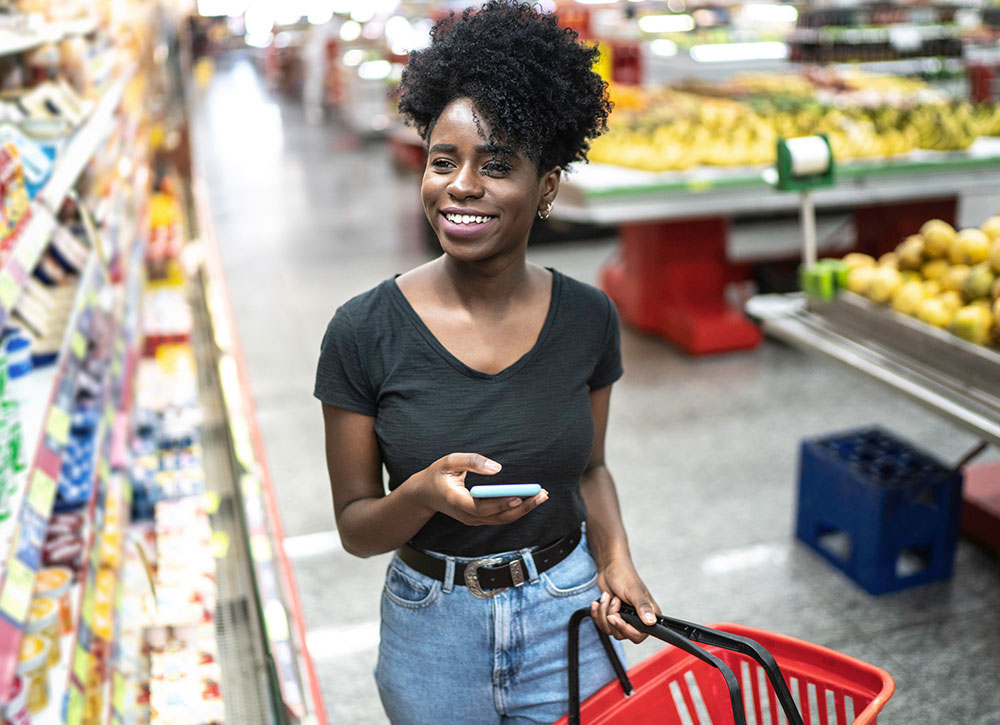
<point>466,183</point>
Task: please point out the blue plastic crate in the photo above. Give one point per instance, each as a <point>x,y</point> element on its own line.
<point>877,508</point>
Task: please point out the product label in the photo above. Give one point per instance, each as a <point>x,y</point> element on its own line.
<point>15,599</point>
<point>42,493</point>
<point>58,425</point>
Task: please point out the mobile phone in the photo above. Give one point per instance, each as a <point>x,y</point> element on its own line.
<point>499,490</point>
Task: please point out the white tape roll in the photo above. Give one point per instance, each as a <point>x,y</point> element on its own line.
<point>810,155</point>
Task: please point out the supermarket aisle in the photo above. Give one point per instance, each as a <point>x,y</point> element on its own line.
<point>704,451</point>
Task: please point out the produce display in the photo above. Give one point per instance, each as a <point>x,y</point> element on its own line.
<point>945,277</point>
<point>737,123</point>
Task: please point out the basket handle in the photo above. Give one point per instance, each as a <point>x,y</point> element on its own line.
<point>658,631</point>
<point>724,640</point>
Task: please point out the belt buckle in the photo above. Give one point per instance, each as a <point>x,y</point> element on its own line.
<point>472,578</point>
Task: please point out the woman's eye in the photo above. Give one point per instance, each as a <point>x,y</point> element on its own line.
<point>441,164</point>
<point>496,169</point>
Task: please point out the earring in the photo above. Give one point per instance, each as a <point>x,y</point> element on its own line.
<point>544,213</point>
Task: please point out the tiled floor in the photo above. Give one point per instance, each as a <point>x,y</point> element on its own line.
<point>704,451</point>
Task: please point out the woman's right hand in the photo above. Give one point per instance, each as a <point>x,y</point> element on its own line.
<point>441,487</point>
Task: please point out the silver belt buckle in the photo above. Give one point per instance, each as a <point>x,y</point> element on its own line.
<point>472,578</point>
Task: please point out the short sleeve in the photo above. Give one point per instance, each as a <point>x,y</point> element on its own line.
<point>341,378</point>
<point>609,365</point>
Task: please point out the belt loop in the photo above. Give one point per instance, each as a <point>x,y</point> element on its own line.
<point>449,575</point>
<point>529,565</point>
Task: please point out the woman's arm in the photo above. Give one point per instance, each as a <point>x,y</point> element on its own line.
<point>618,578</point>
<point>372,522</point>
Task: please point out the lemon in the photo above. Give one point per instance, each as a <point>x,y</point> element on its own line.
<point>857,259</point>
<point>908,297</point>
<point>992,227</point>
<point>938,236</point>
<point>885,281</point>
<point>954,278</point>
<point>934,269</point>
<point>970,246</point>
<point>859,278</point>
<point>935,312</point>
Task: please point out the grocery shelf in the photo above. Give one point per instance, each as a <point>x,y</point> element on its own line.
<point>32,509</point>
<point>606,194</point>
<point>275,593</point>
<point>37,229</point>
<point>12,43</point>
<point>956,379</point>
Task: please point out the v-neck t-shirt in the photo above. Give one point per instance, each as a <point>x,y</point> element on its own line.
<point>378,358</point>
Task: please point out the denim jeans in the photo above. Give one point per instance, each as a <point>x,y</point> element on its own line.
<point>448,657</point>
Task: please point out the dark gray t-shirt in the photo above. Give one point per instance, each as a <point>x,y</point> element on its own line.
<point>379,359</point>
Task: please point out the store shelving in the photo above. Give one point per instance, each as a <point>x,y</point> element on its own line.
<point>21,40</point>
<point>603,194</point>
<point>32,505</point>
<point>38,227</point>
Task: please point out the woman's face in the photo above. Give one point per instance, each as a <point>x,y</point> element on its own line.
<point>479,205</point>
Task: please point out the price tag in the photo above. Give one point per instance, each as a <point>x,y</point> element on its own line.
<point>81,665</point>
<point>58,425</point>
<point>74,707</point>
<point>42,493</point>
<point>15,599</point>
<point>87,610</point>
<point>118,694</point>
<point>9,290</point>
<point>260,548</point>
<point>220,544</point>
<point>78,345</point>
<point>212,502</point>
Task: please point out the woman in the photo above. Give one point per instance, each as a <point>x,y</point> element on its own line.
<point>478,368</point>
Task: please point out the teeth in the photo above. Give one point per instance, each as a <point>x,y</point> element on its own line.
<point>466,218</point>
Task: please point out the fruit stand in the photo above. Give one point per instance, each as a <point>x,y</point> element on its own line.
<point>671,271</point>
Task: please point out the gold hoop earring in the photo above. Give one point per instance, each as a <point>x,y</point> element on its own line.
<point>544,213</point>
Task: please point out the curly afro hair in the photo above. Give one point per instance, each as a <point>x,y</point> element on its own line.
<point>532,80</point>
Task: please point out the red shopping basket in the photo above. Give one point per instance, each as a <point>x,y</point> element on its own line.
<point>739,675</point>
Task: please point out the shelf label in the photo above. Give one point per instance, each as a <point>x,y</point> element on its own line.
<point>78,345</point>
<point>42,493</point>
<point>58,425</point>
<point>220,544</point>
<point>9,290</point>
<point>74,707</point>
<point>15,599</point>
<point>212,502</point>
<point>260,548</point>
<point>81,665</point>
<point>118,694</point>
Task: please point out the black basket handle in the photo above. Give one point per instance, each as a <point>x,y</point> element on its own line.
<point>723,640</point>
<point>660,632</point>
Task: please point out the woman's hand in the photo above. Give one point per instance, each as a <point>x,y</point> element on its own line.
<point>441,487</point>
<point>619,582</point>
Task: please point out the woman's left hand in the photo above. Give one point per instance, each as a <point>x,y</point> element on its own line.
<point>619,582</point>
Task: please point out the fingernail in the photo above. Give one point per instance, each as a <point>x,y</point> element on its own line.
<point>649,618</point>
<point>604,597</point>
<point>515,503</point>
<point>492,465</point>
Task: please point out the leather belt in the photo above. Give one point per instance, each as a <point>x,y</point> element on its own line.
<point>483,574</point>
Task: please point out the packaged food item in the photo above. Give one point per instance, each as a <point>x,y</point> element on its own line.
<point>66,552</point>
<point>56,582</point>
<point>35,670</point>
<point>43,621</point>
<point>15,710</point>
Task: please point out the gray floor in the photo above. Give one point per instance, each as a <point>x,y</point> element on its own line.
<point>704,451</point>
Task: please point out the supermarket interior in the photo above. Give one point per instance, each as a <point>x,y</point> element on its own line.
<point>795,210</point>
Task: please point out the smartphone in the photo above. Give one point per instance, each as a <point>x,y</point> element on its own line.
<point>499,490</point>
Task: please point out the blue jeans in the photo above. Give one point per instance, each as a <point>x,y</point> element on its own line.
<point>448,657</point>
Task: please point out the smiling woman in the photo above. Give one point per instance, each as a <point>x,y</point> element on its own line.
<point>480,368</point>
